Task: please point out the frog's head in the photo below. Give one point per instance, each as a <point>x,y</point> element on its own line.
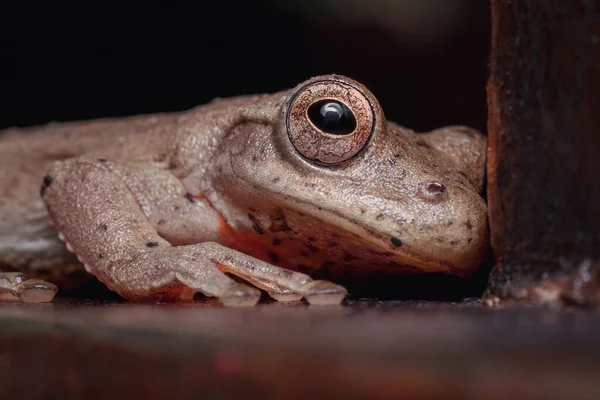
<point>330,184</point>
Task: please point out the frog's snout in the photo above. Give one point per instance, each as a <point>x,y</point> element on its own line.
<point>452,230</point>
<point>443,229</point>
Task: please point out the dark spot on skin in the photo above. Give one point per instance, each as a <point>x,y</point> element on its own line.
<point>469,224</point>
<point>161,222</point>
<point>255,224</point>
<point>469,240</point>
<point>449,223</point>
<point>279,223</point>
<point>303,253</point>
<point>397,155</point>
<point>328,264</point>
<point>396,242</point>
<point>160,157</point>
<point>46,183</point>
<point>453,242</point>
<point>171,165</point>
<point>176,208</point>
<point>152,244</point>
<point>276,241</point>
<point>276,179</point>
<point>312,248</point>
<point>274,257</point>
<point>362,211</point>
<point>379,217</point>
<point>102,160</point>
<point>103,227</point>
<point>100,256</point>
<point>190,197</point>
<point>312,239</point>
<point>254,158</point>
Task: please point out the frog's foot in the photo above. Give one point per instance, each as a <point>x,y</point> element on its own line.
<point>280,283</point>
<point>203,268</point>
<point>26,290</point>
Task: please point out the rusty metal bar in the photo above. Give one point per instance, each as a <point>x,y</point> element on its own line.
<point>544,150</point>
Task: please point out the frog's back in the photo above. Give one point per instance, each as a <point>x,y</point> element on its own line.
<point>27,241</point>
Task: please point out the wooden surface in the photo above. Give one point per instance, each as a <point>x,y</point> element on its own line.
<point>544,150</point>
<point>364,349</point>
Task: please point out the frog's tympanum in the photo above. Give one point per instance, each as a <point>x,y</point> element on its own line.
<point>272,189</point>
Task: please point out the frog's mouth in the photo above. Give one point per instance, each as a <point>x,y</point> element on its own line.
<point>362,246</point>
<point>295,231</point>
<point>393,246</point>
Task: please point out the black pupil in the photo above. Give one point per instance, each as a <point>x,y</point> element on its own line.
<point>332,117</point>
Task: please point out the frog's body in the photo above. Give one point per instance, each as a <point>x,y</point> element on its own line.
<point>161,206</point>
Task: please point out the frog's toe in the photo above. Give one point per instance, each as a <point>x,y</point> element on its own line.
<point>286,295</point>
<point>277,291</point>
<point>323,293</point>
<point>240,295</point>
<point>35,291</point>
<point>15,285</point>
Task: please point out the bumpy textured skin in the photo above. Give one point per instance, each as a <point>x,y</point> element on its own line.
<point>159,207</point>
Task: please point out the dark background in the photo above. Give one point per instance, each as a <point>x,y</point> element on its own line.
<point>426,60</point>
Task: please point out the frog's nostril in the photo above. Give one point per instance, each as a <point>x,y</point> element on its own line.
<point>433,192</point>
<point>436,188</point>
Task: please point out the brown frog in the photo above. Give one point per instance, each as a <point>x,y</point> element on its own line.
<point>268,188</point>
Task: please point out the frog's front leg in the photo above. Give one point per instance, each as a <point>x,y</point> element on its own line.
<point>108,223</point>
<point>93,206</point>
<point>18,286</point>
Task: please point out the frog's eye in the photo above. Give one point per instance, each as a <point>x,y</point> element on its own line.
<point>332,116</point>
<point>329,122</point>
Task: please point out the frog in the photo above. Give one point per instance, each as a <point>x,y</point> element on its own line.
<point>241,196</point>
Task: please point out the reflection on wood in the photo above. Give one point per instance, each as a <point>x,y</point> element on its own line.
<point>361,350</point>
